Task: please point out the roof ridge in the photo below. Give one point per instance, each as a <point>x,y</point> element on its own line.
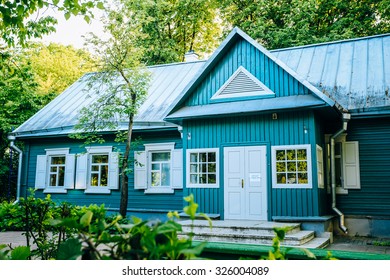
<point>331,42</point>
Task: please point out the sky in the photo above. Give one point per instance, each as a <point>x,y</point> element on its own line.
<point>71,31</point>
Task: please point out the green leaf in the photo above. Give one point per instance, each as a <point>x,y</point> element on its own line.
<point>100,5</point>
<point>69,250</point>
<point>20,253</point>
<point>67,15</point>
<point>86,219</point>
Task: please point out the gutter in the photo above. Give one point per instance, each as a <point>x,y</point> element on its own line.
<point>12,138</point>
<point>346,117</point>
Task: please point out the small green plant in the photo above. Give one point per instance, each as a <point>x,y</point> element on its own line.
<point>18,253</point>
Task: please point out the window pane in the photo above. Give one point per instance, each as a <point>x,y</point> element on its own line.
<point>291,166</point>
<point>301,154</point>
<point>280,166</point>
<point>53,180</point>
<point>58,160</point>
<point>161,156</point>
<point>291,155</point>
<point>53,169</point>
<point>203,157</point>
<point>211,157</point>
<point>291,178</point>
<point>193,168</point>
<point>156,166</point>
<point>194,157</point>
<point>165,176</point>
<point>280,155</point>
<point>104,176</point>
<point>302,165</point>
<point>95,168</point>
<point>61,176</point>
<point>203,168</point>
<point>212,178</point>
<point>99,158</point>
<point>302,178</point>
<point>203,179</point>
<point>212,167</point>
<point>94,179</point>
<point>155,179</point>
<point>193,179</point>
<point>281,178</point>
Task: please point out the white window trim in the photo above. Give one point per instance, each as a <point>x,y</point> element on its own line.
<point>212,186</point>
<point>49,154</point>
<point>309,184</point>
<point>98,150</point>
<point>158,147</point>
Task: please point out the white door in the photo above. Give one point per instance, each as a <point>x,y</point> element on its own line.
<point>245,183</point>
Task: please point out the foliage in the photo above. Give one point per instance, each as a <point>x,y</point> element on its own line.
<point>56,66</point>
<point>286,23</point>
<point>11,217</point>
<point>18,253</point>
<point>20,20</point>
<point>174,27</point>
<point>119,89</point>
<point>152,240</point>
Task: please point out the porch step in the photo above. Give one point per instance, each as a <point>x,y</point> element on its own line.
<point>252,232</point>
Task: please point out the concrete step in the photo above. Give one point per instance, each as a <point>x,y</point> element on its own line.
<point>252,232</point>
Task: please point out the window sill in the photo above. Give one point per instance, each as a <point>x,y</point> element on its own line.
<point>292,186</point>
<point>55,190</point>
<point>203,186</point>
<point>340,190</point>
<point>98,190</point>
<point>159,191</point>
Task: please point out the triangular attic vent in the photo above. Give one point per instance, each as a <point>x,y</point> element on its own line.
<point>242,84</point>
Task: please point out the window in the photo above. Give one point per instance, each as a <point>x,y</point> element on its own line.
<point>347,166</point>
<point>98,170</point>
<point>158,169</point>
<point>55,171</point>
<point>202,168</point>
<point>291,166</point>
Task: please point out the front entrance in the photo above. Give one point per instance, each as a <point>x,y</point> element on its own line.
<point>245,183</point>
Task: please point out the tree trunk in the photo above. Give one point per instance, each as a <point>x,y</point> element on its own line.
<point>125,163</point>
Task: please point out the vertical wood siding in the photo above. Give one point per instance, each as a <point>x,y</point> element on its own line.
<point>244,54</point>
<point>137,198</point>
<point>374,150</point>
<point>256,130</point>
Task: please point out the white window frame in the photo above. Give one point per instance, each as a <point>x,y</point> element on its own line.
<point>309,167</point>
<point>154,148</point>
<point>112,165</point>
<point>188,163</point>
<point>45,162</point>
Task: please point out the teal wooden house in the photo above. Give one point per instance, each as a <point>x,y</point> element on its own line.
<point>298,134</point>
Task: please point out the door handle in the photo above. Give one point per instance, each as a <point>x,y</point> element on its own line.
<point>242,183</point>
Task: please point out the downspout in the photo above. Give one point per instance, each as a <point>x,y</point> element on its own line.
<point>346,118</point>
<point>12,139</point>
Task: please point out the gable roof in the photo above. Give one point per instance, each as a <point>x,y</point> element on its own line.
<point>61,114</point>
<point>354,72</point>
<point>235,35</point>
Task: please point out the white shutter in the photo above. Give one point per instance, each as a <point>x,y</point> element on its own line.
<point>113,171</point>
<point>69,171</point>
<point>351,168</point>
<point>82,171</point>
<point>320,167</point>
<point>177,169</point>
<point>40,174</point>
<point>140,171</point>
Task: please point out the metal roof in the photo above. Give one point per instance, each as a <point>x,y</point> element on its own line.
<point>247,106</point>
<point>354,72</point>
<point>61,114</point>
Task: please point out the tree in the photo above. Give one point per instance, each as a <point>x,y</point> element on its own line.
<point>119,88</point>
<point>286,23</point>
<point>20,20</point>
<point>56,66</point>
<point>173,27</point>
<point>18,101</point>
